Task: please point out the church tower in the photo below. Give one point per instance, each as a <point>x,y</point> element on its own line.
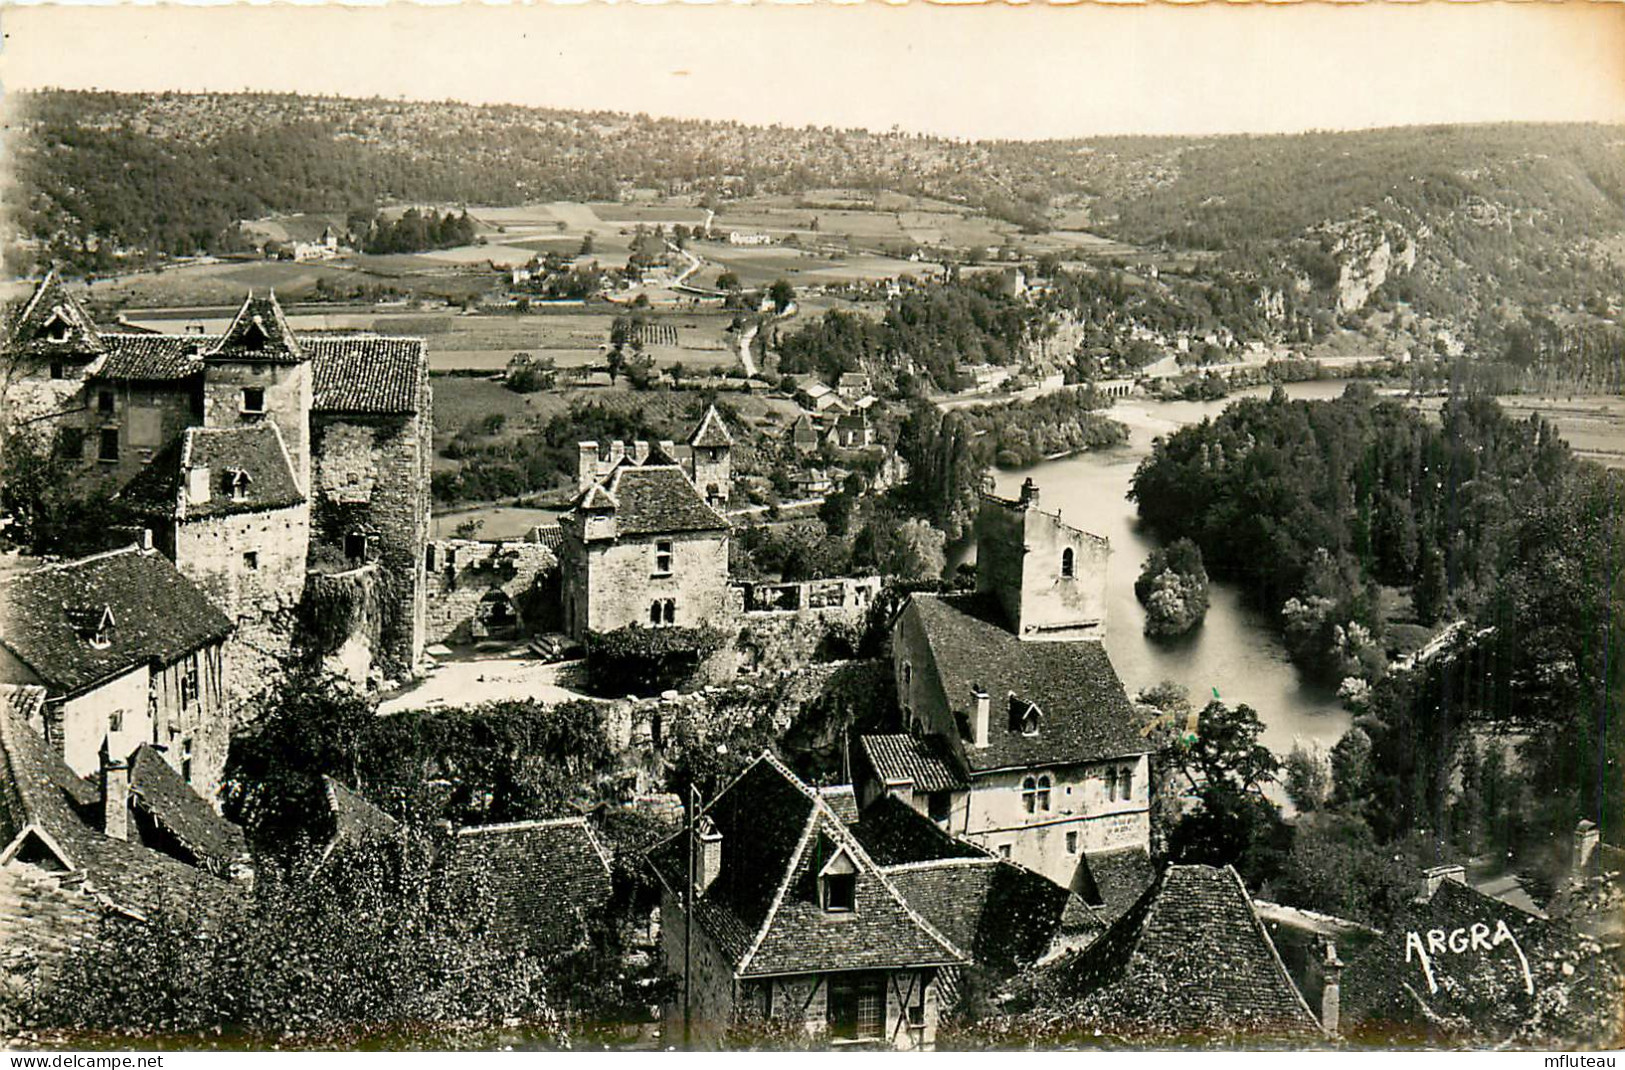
<point>258,372</point>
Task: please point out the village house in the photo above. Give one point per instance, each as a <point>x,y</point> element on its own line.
<point>794,921</point>
<point>642,545</point>
<point>1190,961</point>
<point>129,651</point>
<point>854,386</point>
<point>346,419</point>
<point>804,434</point>
<point>130,840</point>
<point>1016,732</point>
<point>852,431</point>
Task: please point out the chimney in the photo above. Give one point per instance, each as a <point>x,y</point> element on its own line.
<point>586,464</point>
<point>144,540</point>
<point>115,796</point>
<point>979,724</point>
<point>1331,996</point>
<point>902,789</point>
<point>1437,875</point>
<point>1029,493</point>
<point>708,854</point>
<point>617,450</point>
<point>640,451</point>
<point>1586,834</point>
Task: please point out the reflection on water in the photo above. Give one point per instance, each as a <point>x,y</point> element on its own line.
<point>1235,653</point>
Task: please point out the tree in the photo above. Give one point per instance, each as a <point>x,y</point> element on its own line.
<point>917,552</point>
<point>728,281</point>
<point>1226,766</point>
<point>586,247</point>
<point>782,294</point>
<point>1351,768</point>
<point>1308,778</point>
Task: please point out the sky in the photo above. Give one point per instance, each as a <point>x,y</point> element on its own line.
<point>1004,70</point>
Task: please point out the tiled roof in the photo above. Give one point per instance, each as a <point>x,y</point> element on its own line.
<point>1005,915</point>
<point>52,307</point>
<point>180,819</point>
<point>843,800</point>
<point>368,374</point>
<point>1113,880</point>
<point>146,358</point>
<point>158,616</point>
<point>1190,961</point>
<point>656,500</point>
<point>354,819</point>
<point>763,907</point>
<point>926,761</point>
<point>547,878</point>
<point>1085,713</point>
<point>894,833</point>
<point>549,535</point>
<point>259,331</point>
<point>1482,992</point>
<point>160,488</point>
<point>46,809</point>
<point>712,432</point>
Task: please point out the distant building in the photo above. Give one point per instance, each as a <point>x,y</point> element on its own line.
<point>852,431</point>
<point>1190,961</point>
<point>794,921</point>
<point>642,544</point>
<point>853,386</point>
<point>736,237</point>
<point>804,434</point>
<point>1016,732</point>
<point>129,652</point>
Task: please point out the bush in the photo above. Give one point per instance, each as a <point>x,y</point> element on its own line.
<point>646,661</point>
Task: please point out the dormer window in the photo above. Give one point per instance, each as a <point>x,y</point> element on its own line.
<point>1024,716</point>
<point>254,336</point>
<point>56,328</point>
<point>94,625</point>
<point>1069,564</point>
<point>838,885</point>
<point>236,484</point>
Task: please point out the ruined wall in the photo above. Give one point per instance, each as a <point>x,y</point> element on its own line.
<point>787,625</point>
<point>370,478</point>
<point>462,573</point>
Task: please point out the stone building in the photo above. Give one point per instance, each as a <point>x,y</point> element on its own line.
<point>642,545</point>
<point>706,458</point>
<point>129,651</point>
<point>350,417</point>
<point>1016,732</point>
<point>793,921</point>
<point>490,590</point>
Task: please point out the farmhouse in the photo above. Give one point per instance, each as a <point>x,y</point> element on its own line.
<point>1016,732</point>
<point>129,651</point>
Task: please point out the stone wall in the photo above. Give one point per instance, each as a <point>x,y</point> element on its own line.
<point>788,625</point>
<point>251,565</point>
<point>711,1003</point>
<point>1020,555</point>
<point>287,403</point>
<point>462,574</point>
<point>612,583</point>
<point>370,480</point>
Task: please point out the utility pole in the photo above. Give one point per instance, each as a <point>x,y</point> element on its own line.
<point>688,923</point>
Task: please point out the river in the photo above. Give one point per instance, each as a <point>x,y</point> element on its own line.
<point>1235,652</point>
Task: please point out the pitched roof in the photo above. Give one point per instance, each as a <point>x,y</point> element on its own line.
<point>763,908</point>
<point>653,500</point>
<point>177,817</point>
<point>1085,714</point>
<point>894,833</point>
<point>1482,992</point>
<point>51,323</point>
<point>47,811</point>
<point>547,878</point>
<point>1113,880</point>
<point>353,818</point>
<point>259,331</point>
<point>712,432</point>
<point>1189,961</point>
<point>158,616</point>
<point>925,761</point>
<point>161,487</point>
<point>1005,915</point>
<point>368,374</point>
<point>145,357</point>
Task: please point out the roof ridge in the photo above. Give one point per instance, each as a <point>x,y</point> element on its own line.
<point>100,555</point>
<point>1275,955</point>
<point>942,863</point>
<point>519,826</point>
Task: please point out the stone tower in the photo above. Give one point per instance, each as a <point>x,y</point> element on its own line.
<point>711,458</point>
<point>258,372</point>
<point>1049,577</point>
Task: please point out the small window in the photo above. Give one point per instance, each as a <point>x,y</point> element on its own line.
<point>428,557</point>
<point>1043,793</point>
<point>251,560</point>
<point>654,612</point>
<point>186,760</point>
<point>840,892</point>
<point>857,1006</point>
<point>115,721</point>
<point>355,546</point>
<point>189,685</point>
<point>57,371</point>
<point>1029,795</point>
<point>663,558</point>
<point>1125,783</point>
<point>938,804</point>
<point>104,401</point>
<point>107,449</point>
<point>1004,851</point>
<point>1071,843</point>
<point>254,399</point>
<point>1069,564</point>
<point>56,330</point>
<point>1111,784</point>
